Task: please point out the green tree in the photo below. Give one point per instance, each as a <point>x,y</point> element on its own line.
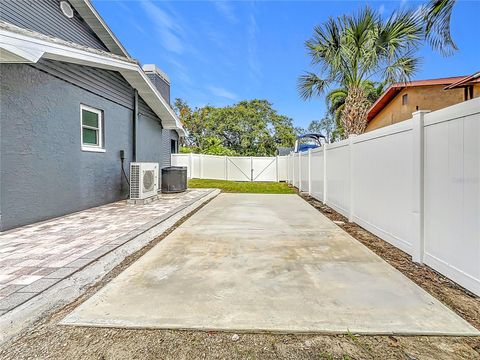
<point>326,126</point>
<point>298,130</point>
<point>352,49</point>
<point>250,128</point>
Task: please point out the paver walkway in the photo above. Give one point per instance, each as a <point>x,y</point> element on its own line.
<point>35,257</point>
<point>265,262</point>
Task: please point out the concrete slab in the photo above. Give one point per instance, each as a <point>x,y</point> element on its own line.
<point>266,263</point>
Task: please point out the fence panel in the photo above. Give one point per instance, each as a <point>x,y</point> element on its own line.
<point>182,160</point>
<point>213,167</point>
<point>195,173</point>
<point>338,177</point>
<point>273,168</point>
<point>317,174</point>
<point>452,193</point>
<point>282,168</point>
<point>383,181</point>
<point>290,169</point>
<point>239,168</point>
<point>304,171</point>
<point>264,168</point>
<point>296,171</point>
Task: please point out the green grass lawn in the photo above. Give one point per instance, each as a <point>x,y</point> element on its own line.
<point>242,186</point>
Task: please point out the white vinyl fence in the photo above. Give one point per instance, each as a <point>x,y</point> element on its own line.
<point>415,184</point>
<point>235,168</point>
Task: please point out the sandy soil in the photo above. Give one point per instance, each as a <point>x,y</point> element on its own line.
<point>48,340</point>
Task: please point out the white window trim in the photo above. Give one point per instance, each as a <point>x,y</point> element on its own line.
<point>101,124</point>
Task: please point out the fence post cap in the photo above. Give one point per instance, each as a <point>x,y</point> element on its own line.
<point>420,112</point>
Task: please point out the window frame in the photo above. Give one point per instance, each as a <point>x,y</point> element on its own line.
<point>468,93</point>
<point>174,142</point>
<point>100,147</point>
<point>405,99</point>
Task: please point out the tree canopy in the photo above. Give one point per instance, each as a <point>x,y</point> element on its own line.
<point>248,128</point>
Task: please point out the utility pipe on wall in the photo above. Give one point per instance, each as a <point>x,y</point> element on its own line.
<point>135,125</point>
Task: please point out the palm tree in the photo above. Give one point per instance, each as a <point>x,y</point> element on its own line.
<point>353,49</point>
<point>336,100</point>
<point>374,90</point>
<point>437,25</point>
<point>335,104</point>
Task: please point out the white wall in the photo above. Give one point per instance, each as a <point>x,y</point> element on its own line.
<point>415,184</point>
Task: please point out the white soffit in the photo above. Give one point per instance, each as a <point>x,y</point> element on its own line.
<point>101,29</point>
<point>11,54</point>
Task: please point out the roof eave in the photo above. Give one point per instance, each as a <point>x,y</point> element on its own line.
<point>384,99</point>
<point>88,12</point>
<point>475,77</point>
<point>20,47</point>
<point>393,90</point>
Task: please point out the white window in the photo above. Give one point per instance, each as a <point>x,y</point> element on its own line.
<point>92,129</point>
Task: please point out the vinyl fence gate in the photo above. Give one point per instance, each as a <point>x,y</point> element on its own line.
<point>235,168</point>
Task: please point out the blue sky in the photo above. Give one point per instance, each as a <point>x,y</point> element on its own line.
<point>221,52</point>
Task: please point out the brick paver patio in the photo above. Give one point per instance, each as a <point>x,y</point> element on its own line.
<point>35,257</point>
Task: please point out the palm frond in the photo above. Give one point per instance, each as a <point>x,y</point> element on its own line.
<point>335,99</point>
<point>401,70</point>
<point>403,31</point>
<point>311,84</point>
<point>437,15</point>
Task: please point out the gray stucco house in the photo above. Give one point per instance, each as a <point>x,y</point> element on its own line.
<point>71,99</point>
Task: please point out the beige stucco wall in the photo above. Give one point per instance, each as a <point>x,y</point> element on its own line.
<point>425,97</point>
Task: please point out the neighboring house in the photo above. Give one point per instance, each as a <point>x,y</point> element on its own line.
<point>399,101</point>
<point>71,99</point>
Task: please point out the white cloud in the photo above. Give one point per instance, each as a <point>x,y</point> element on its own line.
<point>253,61</point>
<point>180,72</point>
<point>167,27</point>
<point>216,37</point>
<point>225,9</point>
<point>381,9</point>
<point>221,92</point>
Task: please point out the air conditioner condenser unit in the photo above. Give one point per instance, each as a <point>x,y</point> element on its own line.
<point>143,180</point>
